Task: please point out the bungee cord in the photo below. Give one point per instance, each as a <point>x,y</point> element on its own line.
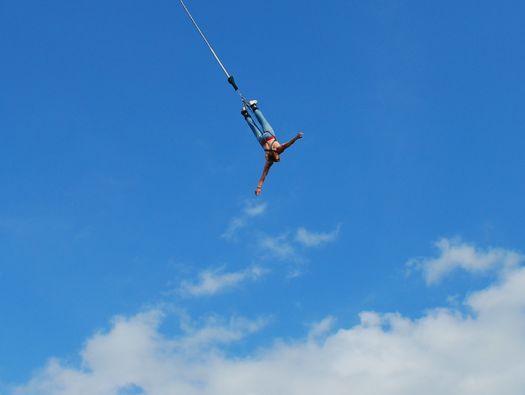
<point>231,80</point>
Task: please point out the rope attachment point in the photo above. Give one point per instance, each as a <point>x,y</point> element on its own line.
<point>232,82</point>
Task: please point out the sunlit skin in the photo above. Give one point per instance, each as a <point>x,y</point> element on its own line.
<point>272,153</point>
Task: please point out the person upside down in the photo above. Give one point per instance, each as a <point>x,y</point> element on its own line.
<point>266,137</point>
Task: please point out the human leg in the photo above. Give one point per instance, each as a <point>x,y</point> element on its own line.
<point>262,120</point>
<point>255,129</point>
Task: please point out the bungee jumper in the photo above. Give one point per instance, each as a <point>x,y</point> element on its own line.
<point>263,132</point>
<point>266,137</point>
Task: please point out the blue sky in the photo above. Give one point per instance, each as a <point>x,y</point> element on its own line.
<point>128,175</point>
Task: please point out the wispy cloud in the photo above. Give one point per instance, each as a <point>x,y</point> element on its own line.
<point>218,331</point>
<point>314,239</point>
<point>385,353</point>
<point>455,254</point>
<point>213,281</point>
<point>321,328</point>
<point>251,210</point>
<point>278,246</point>
<point>287,245</point>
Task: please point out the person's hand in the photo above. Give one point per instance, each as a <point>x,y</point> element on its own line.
<point>300,135</point>
<point>258,190</point>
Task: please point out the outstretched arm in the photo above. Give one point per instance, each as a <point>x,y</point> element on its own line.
<point>266,169</point>
<point>287,145</point>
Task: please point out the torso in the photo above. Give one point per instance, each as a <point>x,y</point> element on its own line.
<point>271,145</point>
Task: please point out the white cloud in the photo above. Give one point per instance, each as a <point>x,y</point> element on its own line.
<point>455,254</point>
<point>445,351</point>
<point>134,355</point>
<point>255,210</point>
<point>215,331</point>
<point>314,239</point>
<point>285,246</point>
<point>321,328</point>
<point>278,246</point>
<point>213,281</point>
<point>251,210</point>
